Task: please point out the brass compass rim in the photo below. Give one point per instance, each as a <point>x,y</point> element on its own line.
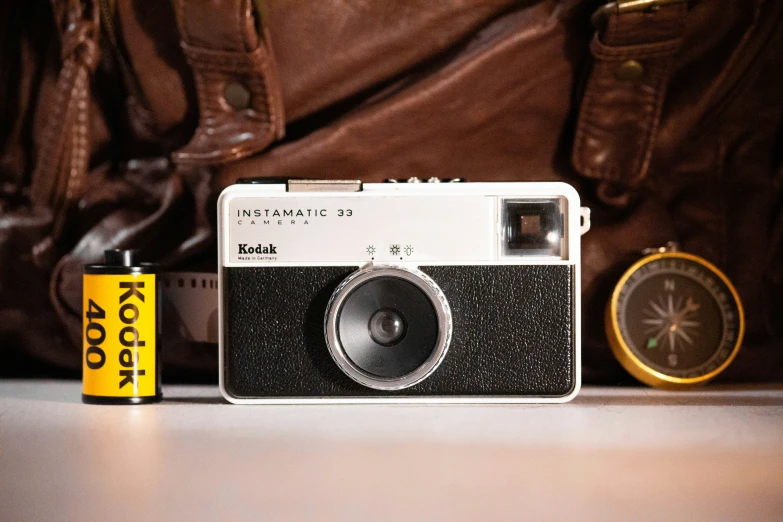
<point>631,362</point>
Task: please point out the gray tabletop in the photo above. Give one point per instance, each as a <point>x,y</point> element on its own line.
<point>613,453</point>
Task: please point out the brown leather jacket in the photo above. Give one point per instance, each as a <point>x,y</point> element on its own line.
<point>120,129</point>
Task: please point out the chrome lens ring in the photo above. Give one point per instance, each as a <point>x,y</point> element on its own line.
<point>435,297</point>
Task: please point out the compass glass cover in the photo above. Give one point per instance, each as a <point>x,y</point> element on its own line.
<point>678,317</point>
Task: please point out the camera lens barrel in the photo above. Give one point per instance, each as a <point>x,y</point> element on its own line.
<point>388,328</point>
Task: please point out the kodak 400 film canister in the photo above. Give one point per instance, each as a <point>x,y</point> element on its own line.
<point>121,331</point>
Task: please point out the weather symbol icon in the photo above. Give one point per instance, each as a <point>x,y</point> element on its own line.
<point>371,250</point>
<point>394,250</point>
<point>408,250</point>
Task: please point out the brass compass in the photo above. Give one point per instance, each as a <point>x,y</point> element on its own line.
<point>674,319</point>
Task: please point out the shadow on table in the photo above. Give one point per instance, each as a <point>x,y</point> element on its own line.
<point>65,392</point>
<point>722,395</point>
<point>193,400</point>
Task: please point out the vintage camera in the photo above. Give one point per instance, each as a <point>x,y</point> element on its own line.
<point>338,291</point>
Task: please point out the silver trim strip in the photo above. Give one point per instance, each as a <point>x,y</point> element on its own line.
<point>324,185</point>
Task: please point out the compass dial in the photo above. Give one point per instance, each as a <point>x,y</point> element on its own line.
<point>674,320</point>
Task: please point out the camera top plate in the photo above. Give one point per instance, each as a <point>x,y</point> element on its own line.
<point>405,223</point>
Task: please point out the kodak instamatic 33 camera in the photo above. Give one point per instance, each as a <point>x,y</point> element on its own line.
<point>338,291</point>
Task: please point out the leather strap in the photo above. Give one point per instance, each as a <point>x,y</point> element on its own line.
<point>621,107</point>
<point>64,150</point>
<point>240,101</point>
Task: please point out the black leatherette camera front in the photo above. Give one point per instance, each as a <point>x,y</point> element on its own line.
<point>512,332</point>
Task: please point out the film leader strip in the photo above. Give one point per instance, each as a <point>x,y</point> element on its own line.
<point>190,306</point>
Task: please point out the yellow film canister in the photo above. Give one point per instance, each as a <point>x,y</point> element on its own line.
<point>121,331</point>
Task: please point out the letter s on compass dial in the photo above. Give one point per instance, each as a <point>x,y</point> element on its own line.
<point>674,320</point>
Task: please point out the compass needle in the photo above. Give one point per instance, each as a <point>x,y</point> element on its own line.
<point>691,306</point>
<point>685,336</point>
<point>661,333</point>
<point>658,309</point>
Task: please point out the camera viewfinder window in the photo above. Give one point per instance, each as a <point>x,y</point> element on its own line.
<point>532,227</point>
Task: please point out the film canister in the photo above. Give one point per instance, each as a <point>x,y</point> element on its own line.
<point>121,331</point>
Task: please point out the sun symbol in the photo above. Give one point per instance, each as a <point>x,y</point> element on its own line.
<point>371,250</point>
<point>394,250</point>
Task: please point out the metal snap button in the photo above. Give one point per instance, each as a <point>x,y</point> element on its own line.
<point>237,96</point>
<point>629,71</point>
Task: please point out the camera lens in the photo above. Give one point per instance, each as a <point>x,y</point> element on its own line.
<point>371,336</point>
<point>387,327</point>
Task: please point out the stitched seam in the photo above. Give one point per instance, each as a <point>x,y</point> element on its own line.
<point>643,161</point>
<point>609,52</point>
<point>239,30</point>
<point>250,63</point>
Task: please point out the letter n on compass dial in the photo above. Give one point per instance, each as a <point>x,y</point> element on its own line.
<point>674,320</point>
